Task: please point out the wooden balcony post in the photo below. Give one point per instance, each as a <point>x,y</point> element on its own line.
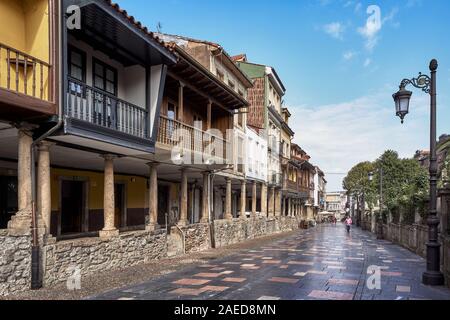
<point>208,117</point>
<point>153,198</point>
<point>181,102</point>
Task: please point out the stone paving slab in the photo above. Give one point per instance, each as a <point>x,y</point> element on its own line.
<point>322,263</point>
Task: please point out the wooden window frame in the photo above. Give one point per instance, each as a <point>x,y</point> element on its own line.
<point>105,67</point>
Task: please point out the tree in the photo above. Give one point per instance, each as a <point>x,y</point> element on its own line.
<point>405,184</point>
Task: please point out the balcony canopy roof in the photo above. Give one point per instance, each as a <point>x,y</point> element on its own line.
<point>204,84</point>
<point>109,29</point>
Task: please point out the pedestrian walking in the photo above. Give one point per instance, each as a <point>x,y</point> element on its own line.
<point>348,223</point>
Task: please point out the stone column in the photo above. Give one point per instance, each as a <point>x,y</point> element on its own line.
<point>242,214</point>
<point>271,201</point>
<point>44,199</point>
<point>254,199</point>
<point>153,198</point>
<point>183,199</point>
<point>264,199</point>
<point>205,199</point>
<point>228,195</point>
<point>21,221</point>
<point>278,203</point>
<point>290,207</point>
<point>109,229</point>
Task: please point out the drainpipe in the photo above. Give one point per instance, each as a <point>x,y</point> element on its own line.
<point>36,281</point>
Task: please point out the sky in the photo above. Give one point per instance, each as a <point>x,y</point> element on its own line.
<point>339,63</point>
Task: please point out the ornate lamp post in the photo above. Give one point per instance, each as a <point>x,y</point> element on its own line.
<point>433,275</point>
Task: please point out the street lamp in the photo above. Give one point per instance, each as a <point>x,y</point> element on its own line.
<point>433,276</point>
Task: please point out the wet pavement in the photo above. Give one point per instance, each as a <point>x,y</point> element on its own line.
<point>322,263</point>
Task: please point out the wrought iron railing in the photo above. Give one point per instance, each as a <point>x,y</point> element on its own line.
<point>24,74</point>
<point>106,110</point>
<point>175,133</point>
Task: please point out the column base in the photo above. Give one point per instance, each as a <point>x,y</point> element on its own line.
<point>229,216</point>
<point>108,234</point>
<point>20,223</point>
<point>152,227</point>
<point>204,221</point>
<point>433,278</point>
<point>183,223</point>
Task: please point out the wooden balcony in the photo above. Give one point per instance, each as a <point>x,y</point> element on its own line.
<point>102,109</point>
<point>26,84</point>
<point>174,133</point>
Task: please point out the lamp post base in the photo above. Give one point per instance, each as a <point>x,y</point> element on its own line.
<point>433,278</point>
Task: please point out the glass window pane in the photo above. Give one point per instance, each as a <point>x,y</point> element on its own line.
<point>76,59</point>
<point>98,82</point>
<point>99,70</point>
<point>110,75</point>
<point>110,87</point>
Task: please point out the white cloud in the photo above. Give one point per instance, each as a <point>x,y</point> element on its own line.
<point>338,136</point>
<point>335,29</point>
<point>349,55</point>
<point>367,62</point>
<point>375,22</point>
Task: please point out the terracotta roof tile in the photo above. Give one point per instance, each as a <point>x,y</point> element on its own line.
<point>138,24</point>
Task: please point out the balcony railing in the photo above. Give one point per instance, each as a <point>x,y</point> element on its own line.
<point>275,178</point>
<point>103,109</point>
<point>24,74</point>
<point>175,133</point>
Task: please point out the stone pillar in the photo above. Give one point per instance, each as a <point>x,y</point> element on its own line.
<point>183,199</point>
<point>271,202</point>
<point>263,199</point>
<point>290,207</point>
<point>109,229</point>
<point>153,198</point>
<point>228,195</point>
<point>21,222</point>
<point>278,196</point>
<point>242,214</point>
<point>44,199</point>
<point>205,199</point>
<point>254,199</point>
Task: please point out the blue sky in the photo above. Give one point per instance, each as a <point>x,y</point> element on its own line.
<point>339,73</point>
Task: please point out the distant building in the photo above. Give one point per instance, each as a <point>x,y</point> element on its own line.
<point>336,202</point>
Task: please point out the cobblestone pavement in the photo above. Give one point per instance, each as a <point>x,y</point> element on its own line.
<point>321,263</point>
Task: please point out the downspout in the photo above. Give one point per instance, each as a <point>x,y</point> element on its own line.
<point>211,177</point>
<point>36,281</point>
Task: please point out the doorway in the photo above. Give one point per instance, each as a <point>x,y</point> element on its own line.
<point>8,199</point>
<point>120,213</point>
<point>163,204</point>
<point>72,207</point>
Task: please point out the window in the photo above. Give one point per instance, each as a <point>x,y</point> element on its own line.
<point>231,84</point>
<point>220,75</point>
<point>77,64</point>
<point>105,77</point>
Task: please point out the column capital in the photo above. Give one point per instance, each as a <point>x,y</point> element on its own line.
<point>26,127</point>
<point>109,156</point>
<point>153,164</point>
<point>45,145</point>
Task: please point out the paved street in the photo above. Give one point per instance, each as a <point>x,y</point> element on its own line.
<point>319,263</point>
